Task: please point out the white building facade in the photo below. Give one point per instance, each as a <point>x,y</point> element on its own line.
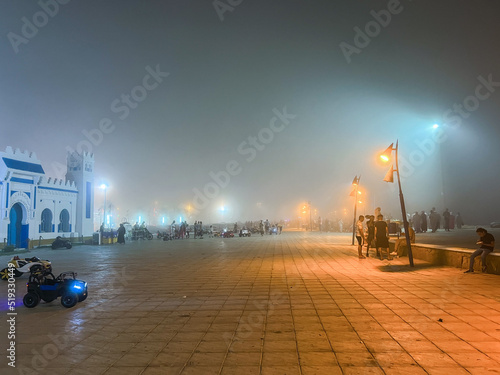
<point>33,205</point>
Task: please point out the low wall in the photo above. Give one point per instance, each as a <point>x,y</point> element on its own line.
<point>454,257</point>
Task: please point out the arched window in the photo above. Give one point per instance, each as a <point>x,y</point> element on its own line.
<point>64,221</point>
<point>46,224</point>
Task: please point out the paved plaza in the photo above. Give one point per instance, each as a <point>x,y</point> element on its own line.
<point>298,303</point>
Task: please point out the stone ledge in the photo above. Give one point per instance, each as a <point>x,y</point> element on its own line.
<point>454,257</point>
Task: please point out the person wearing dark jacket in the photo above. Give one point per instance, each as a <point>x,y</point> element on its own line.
<point>423,221</point>
<point>486,245</point>
<point>121,234</point>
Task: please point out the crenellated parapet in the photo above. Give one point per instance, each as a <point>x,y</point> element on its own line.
<point>25,155</point>
<point>53,185</point>
<point>56,182</point>
<point>17,161</point>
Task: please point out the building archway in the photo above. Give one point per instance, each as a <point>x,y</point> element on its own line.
<point>17,231</point>
<point>64,221</point>
<point>46,222</point>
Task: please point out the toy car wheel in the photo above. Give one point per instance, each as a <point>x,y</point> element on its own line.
<point>69,245</point>
<point>4,274</point>
<point>69,299</point>
<point>35,268</point>
<point>150,236</point>
<point>30,300</point>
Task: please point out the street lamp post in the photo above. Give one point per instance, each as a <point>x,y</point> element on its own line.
<point>355,183</point>
<point>389,177</point>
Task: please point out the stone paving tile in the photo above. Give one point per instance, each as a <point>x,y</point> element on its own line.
<point>299,303</point>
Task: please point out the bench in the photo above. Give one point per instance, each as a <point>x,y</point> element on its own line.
<point>453,256</point>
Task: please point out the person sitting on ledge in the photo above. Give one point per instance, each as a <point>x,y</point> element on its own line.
<point>487,245</point>
<point>400,244</point>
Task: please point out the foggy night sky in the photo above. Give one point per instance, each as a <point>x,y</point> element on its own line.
<point>225,79</point>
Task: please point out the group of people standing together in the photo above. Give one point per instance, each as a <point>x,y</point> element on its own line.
<point>375,233</point>
<point>183,229</point>
<point>422,222</point>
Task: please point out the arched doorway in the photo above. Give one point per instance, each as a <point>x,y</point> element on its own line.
<point>46,223</point>
<point>64,221</point>
<point>17,231</point>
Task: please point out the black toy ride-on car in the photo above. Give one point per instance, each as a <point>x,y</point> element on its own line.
<point>44,286</point>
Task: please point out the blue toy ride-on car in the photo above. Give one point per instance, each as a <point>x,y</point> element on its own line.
<point>44,286</point>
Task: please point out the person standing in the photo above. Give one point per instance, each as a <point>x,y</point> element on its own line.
<point>121,234</point>
<point>360,235</point>
<point>382,237</point>
<point>370,232</point>
<point>434,220</point>
<point>446,217</point>
<point>416,222</point>
<point>423,222</point>
<point>459,221</point>
<point>486,245</point>
<point>200,230</point>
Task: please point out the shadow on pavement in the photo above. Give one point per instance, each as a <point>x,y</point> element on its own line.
<point>405,267</point>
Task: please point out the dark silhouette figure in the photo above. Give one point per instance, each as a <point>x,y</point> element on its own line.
<point>446,217</point>
<point>423,222</point>
<point>121,234</point>
<point>416,222</point>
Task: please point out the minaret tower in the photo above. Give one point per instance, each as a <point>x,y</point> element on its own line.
<point>81,172</point>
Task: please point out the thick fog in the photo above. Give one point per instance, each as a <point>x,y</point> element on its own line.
<point>244,110</point>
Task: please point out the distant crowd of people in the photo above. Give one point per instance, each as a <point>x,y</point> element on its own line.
<point>421,222</point>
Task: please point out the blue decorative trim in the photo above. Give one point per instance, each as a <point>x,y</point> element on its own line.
<point>22,180</point>
<point>49,188</point>
<point>7,197</point>
<point>12,192</point>
<point>23,165</point>
<point>34,199</point>
<point>88,199</point>
<point>70,227</point>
